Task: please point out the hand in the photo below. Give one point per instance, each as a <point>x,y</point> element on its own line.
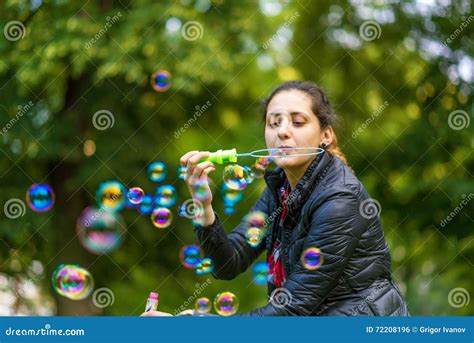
<point>186,313</point>
<point>197,175</point>
<point>156,314</point>
<point>198,184</point>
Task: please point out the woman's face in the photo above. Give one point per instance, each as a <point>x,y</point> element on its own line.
<point>290,122</point>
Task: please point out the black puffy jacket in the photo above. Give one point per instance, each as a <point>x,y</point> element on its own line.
<point>329,209</point>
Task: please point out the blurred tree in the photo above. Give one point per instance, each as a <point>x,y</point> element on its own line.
<point>394,93</point>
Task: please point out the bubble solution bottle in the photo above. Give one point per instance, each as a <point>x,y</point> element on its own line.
<point>152,302</point>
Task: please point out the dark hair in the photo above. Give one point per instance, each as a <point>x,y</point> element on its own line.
<point>320,107</point>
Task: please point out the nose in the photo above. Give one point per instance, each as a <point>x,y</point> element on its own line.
<point>284,131</point>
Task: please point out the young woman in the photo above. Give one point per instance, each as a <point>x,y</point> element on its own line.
<point>312,202</point>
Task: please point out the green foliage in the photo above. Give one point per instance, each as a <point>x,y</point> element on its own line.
<point>77,59</point>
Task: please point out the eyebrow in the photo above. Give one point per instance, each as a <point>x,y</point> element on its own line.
<point>291,113</point>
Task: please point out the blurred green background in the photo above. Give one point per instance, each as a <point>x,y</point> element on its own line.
<point>399,74</point>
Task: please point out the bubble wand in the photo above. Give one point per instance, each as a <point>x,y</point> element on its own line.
<point>230,156</point>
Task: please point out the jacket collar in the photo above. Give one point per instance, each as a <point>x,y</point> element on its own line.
<point>305,186</point>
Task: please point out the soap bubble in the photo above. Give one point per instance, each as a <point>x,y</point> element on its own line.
<point>166,196</point>
<point>312,258</point>
<point>72,281</point>
<point>254,236</point>
<point>260,166</point>
<point>235,177</point>
<point>226,303</point>
<point>40,197</point>
<point>249,175</point>
<point>190,256</point>
<point>160,81</point>
<point>230,195</point>
<point>111,195</point>
<point>260,273</point>
<point>202,305</point>
<point>256,219</point>
<point>161,217</point>
<point>182,171</point>
<point>206,266</point>
<point>229,208</point>
<point>135,195</point>
<point>99,231</point>
<point>147,205</point>
<point>156,171</point>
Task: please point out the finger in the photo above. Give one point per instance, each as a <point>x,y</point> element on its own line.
<point>194,160</point>
<point>184,159</point>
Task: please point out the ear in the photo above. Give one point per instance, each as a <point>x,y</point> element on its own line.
<point>328,136</point>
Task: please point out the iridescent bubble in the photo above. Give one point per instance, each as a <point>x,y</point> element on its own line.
<point>111,195</point>
<point>231,196</point>
<point>160,81</point>
<point>205,266</point>
<point>40,197</point>
<point>256,219</point>
<point>258,171</point>
<point>166,196</point>
<point>72,281</point>
<point>260,273</point>
<point>99,231</point>
<point>147,204</point>
<point>202,305</point>
<point>161,217</point>
<point>312,258</point>
<point>263,161</point>
<point>157,171</point>
<point>182,172</point>
<point>190,256</point>
<point>260,166</point>
<point>128,204</point>
<point>135,195</point>
<point>229,209</point>
<point>226,303</point>
<point>235,177</point>
<point>249,175</point>
<point>254,236</point>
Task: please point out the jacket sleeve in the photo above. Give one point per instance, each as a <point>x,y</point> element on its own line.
<point>231,253</point>
<point>335,228</point>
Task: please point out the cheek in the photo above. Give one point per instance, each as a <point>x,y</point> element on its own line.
<point>308,136</point>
